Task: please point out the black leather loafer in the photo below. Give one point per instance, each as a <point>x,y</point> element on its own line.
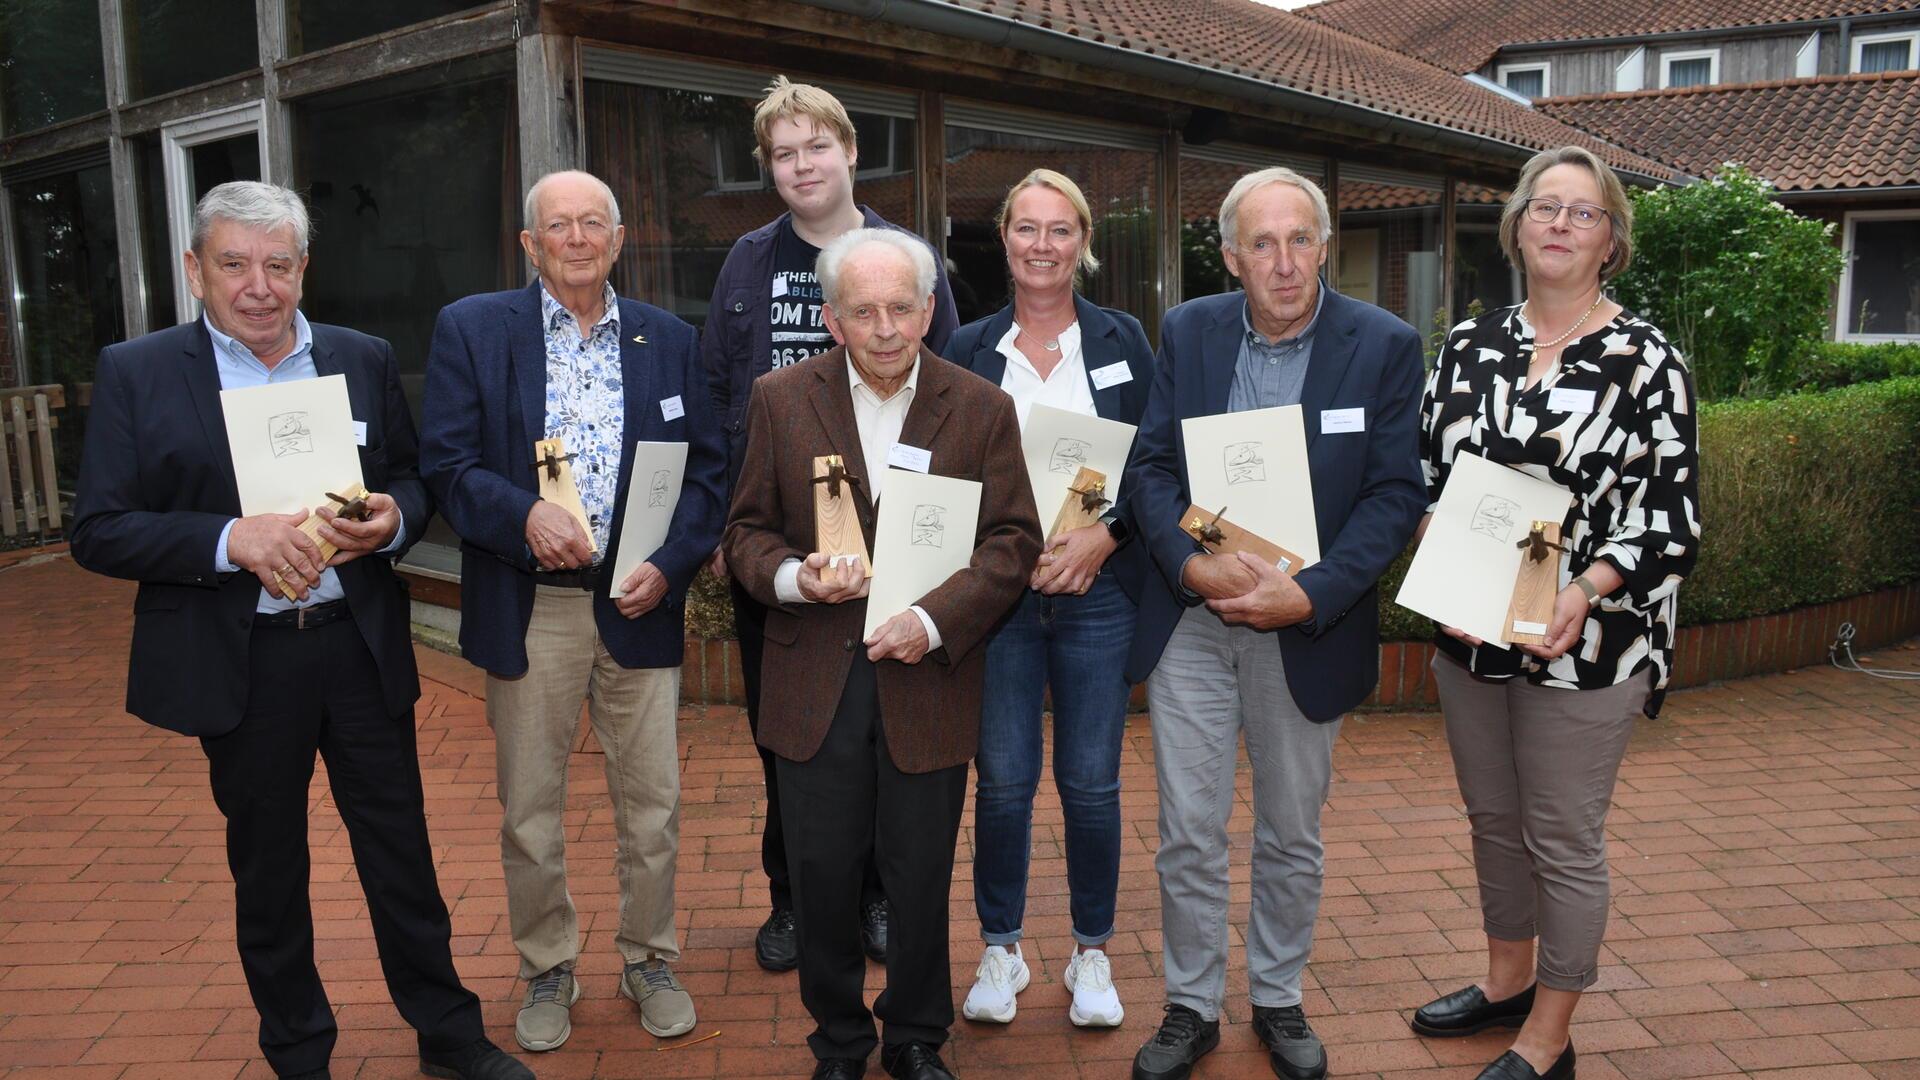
<point>1511,1066</point>
<point>777,946</point>
<point>914,1061</point>
<point>840,1069</point>
<point>1467,1011</point>
<point>477,1061</point>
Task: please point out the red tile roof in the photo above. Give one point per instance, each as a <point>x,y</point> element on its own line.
<point>1835,132</point>
<point>1462,35</point>
<point>1277,47</point>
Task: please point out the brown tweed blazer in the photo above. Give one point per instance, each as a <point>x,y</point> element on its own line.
<point>931,710</point>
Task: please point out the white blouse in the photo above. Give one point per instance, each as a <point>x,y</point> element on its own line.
<point>1065,387</point>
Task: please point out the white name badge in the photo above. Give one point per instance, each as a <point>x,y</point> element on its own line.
<point>1111,375</point>
<point>359,433</point>
<point>1570,401</point>
<point>903,456</point>
<point>779,284</point>
<point>1336,421</point>
<point>671,409</point>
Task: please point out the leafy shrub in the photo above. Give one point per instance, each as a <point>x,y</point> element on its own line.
<point>1826,365</point>
<point>1737,281</point>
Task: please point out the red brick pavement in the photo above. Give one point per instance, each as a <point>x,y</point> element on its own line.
<point>1766,856</point>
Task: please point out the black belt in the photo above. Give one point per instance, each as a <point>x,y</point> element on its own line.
<point>586,577</point>
<point>304,618</point>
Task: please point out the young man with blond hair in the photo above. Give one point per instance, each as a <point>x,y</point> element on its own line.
<point>766,314</point>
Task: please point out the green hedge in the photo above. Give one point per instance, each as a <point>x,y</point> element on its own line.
<point>1826,365</point>
<point>1804,499</point>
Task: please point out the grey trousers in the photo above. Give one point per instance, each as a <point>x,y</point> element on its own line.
<point>1536,766</point>
<point>634,712</point>
<point>1214,681</point>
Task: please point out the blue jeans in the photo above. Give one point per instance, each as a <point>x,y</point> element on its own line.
<point>1077,645</point>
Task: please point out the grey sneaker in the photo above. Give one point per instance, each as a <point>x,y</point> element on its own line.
<point>545,1016</point>
<point>666,1009</point>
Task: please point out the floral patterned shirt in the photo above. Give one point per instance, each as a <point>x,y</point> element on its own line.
<point>1613,423</point>
<point>586,405</point>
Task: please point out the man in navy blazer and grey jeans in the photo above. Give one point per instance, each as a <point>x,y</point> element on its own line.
<point>1235,645</point>
<point>766,314</point>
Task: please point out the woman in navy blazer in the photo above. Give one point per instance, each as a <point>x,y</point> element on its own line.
<point>1072,629</point>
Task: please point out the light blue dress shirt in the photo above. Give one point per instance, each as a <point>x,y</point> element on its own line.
<point>238,369</point>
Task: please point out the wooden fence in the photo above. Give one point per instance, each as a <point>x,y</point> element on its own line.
<point>30,501</point>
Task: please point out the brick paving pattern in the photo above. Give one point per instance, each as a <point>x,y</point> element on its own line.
<point>1765,848</point>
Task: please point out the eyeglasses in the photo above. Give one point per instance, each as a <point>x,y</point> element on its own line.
<point>1580,215</point>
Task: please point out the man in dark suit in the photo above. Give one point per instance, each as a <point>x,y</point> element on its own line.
<point>1241,646</point>
<point>264,682</point>
<point>566,359</point>
<point>872,737</point>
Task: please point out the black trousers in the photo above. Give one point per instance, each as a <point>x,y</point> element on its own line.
<point>750,630</point>
<point>319,690</point>
<point>846,800</point>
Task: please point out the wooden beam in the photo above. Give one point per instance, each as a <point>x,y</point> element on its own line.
<point>396,51</point>
<point>930,144</point>
<point>1171,222</point>
<point>549,111</point>
<point>271,17</point>
<point>1449,198</point>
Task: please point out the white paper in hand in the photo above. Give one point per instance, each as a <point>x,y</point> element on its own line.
<point>924,536</point>
<point>291,443</point>
<point>1254,464</point>
<point>653,491</point>
<point>1463,574</point>
<point>1058,443</point>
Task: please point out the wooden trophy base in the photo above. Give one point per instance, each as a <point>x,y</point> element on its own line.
<point>836,524</point>
<point>1222,537</point>
<point>310,528</point>
<point>1534,588</point>
<point>553,465</point>
<point>1085,501</point>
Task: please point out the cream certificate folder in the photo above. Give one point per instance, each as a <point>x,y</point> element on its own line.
<point>291,442</point>
<point>653,490</point>
<point>1254,465</point>
<point>924,534</point>
<point>1058,444</point>
<point>1462,576</point>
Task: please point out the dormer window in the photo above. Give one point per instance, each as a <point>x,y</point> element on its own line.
<point>1886,52</point>
<point>1699,68</point>
<point>1527,80</point>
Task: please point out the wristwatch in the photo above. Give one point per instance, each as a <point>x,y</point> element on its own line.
<point>1586,587</point>
<point>1116,527</point>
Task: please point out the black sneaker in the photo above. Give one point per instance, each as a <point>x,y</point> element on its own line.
<point>873,930</point>
<point>777,945</point>
<point>1183,1039</point>
<point>1292,1047</point>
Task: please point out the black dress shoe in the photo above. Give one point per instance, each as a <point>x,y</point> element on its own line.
<point>873,930</point>
<point>1467,1011</point>
<point>914,1061</point>
<point>1183,1039</point>
<point>840,1069</point>
<point>1292,1047</point>
<point>475,1061</point>
<point>311,1074</point>
<point>1511,1066</point>
<point>777,945</point>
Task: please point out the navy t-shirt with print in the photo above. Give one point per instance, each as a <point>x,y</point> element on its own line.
<point>799,330</point>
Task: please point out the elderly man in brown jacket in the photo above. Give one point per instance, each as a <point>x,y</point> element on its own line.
<point>873,736</point>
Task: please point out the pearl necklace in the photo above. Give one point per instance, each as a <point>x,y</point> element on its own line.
<point>1542,346</point>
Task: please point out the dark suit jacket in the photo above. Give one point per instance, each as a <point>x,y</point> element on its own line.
<point>1107,337</point>
<point>485,407</point>
<point>157,487</point>
<point>737,342</point>
<point>1368,492</point>
<point>931,709</point>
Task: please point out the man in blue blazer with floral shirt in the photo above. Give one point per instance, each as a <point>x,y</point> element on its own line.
<point>564,358</point>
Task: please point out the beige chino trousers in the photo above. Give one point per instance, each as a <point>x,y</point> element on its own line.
<point>634,713</point>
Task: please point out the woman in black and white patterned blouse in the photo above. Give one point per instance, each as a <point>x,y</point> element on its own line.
<point>1569,388</point>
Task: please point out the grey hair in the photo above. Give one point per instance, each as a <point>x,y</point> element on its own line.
<point>254,204</point>
<point>835,254</point>
<point>1277,174</point>
<point>532,207</point>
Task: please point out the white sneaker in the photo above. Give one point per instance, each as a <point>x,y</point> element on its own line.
<point>1095,1002</point>
<point>1002,974</point>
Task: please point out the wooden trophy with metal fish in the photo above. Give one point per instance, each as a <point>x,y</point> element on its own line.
<point>1222,537</point>
<point>1535,587</point>
<point>352,505</point>
<point>1085,501</point>
<point>554,467</point>
<point>836,522</point>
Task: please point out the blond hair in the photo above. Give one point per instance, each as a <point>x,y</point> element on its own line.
<point>787,100</point>
<point>1613,199</point>
<point>1060,182</point>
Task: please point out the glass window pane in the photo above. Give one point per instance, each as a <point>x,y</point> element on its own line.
<point>50,65</point>
<point>1203,184</point>
<point>1698,72</point>
<point>1527,83</point>
<point>1885,297</point>
<point>1122,188</point>
<point>1482,279</point>
<point>1389,251</point>
<point>156,244</point>
<point>313,25</point>
<point>173,44</point>
<point>69,286</point>
<point>1886,56</point>
<point>680,163</point>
